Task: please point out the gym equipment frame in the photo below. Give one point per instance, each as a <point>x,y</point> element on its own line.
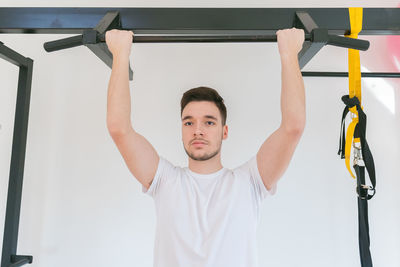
<point>10,238</point>
<point>322,26</point>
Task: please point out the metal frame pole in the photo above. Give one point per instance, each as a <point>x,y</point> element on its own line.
<point>10,239</point>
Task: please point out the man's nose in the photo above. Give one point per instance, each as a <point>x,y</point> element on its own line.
<point>199,130</point>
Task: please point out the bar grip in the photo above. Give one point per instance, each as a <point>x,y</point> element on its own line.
<point>201,38</point>
<point>63,43</point>
<point>348,42</point>
<point>189,38</point>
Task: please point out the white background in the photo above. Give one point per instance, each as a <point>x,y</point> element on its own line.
<point>82,207</point>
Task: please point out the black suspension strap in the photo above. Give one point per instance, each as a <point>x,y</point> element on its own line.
<point>362,159</point>
<point>356,136</point>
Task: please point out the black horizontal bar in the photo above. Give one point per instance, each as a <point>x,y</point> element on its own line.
<point>346,74</point>
<point>163,38</point>
<point>181,20</point>
<point>333,40</point>
<point>186,38</point>
<point>205,38</point>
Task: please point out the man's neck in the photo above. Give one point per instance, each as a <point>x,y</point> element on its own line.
<point>205,167</point>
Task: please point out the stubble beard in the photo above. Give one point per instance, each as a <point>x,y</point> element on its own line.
<point>205,156</point>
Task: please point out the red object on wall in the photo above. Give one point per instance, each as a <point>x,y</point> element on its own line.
<point>393,44</point>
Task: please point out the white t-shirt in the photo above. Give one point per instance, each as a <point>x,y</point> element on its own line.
<point>207,220</point>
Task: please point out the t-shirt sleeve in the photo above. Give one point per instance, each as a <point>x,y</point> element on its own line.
<point>256,180</point>
<point>165,170</point>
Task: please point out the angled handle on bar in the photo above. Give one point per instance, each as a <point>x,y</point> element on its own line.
<point>91,39</point>
<point>63,43</point>
<point>320,38</point>
<point>348,42</point>
<point>303,20</point>
<point>88,37</point>
<point>319,35</point>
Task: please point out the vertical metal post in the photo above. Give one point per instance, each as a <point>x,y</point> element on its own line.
<point>10,239</point>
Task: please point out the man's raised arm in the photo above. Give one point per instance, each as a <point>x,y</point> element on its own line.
<point>139,155</point>
<point>275,153</point>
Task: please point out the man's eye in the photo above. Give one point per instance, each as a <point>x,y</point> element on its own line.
<point>211,122</point>
<point>187,123</point>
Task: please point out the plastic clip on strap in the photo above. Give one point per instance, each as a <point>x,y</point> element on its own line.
<point>357,129</point>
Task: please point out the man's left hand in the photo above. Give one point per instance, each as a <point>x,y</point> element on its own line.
<point>290,41</point>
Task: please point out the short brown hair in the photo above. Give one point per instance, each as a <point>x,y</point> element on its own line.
<point>204,93</point>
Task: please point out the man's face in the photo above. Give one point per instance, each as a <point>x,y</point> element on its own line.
<point>202,122</point>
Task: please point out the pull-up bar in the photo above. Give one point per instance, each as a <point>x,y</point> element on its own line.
<point>315,38</point>
<point>190,38</point>
<point>322,26</point>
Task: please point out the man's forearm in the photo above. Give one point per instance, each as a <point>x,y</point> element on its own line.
<point>292,95</point>
<point>118,97</point>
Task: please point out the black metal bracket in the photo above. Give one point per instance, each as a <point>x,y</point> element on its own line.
<point>14,195</point>
<point>94,39</point>
<point>320,37</point>
<point>17,261</point>
<point>310,48</point>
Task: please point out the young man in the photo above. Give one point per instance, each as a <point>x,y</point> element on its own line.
<point>206,214</point>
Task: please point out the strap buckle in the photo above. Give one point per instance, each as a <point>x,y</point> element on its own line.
<point>358,159</point>
<point>363,191</point>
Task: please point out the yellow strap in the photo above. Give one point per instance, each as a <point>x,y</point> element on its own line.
<point>349,138</point>
<point>356,15</point>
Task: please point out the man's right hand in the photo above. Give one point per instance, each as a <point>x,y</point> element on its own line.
<point>119,42</point>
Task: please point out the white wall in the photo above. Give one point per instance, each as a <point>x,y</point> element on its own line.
<point>82,207</point>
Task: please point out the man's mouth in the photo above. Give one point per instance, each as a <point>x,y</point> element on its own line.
<point>198,143</point>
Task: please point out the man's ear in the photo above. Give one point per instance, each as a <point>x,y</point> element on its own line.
<point>225,132</point>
